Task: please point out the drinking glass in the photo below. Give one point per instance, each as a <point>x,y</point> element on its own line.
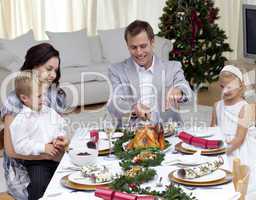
<point>109,126</point>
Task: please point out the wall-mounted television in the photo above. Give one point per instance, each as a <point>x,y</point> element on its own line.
<point>249,30</point>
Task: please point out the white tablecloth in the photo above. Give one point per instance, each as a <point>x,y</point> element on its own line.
<point>56,191</point>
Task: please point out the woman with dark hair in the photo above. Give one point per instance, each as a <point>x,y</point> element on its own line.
<point>44,59</point>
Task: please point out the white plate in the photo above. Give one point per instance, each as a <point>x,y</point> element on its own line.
<point>191,147</point>
<point>202,132</point>
<point>195,148</point>
<point>104,145</point>
<point>115,135</point>
<point>103,135</point>
<point>214,176</point>
<point>191,160</point>
<point>78,178</point>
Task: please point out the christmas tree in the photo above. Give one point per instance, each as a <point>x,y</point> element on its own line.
<point>199,43</point>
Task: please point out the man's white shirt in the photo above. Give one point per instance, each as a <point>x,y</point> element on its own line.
<point>31,130</point>
<point>148,95</point>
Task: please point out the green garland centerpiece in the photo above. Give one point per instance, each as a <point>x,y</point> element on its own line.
<point>136,175</point>
<point>136,163</point>
<point>143,157</point>
<point>118,145</point>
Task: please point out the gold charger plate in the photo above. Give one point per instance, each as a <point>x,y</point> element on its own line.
<point>69,184</point>
<point>226,179</point>
<point>181,149</point>
<point>103,152</point>
<point>207,150</point>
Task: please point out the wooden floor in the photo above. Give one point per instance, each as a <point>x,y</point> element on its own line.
<point>5,196</point>
<point>209,96</point>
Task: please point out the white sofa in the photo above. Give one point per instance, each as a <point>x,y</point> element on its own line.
<point>80,55</point>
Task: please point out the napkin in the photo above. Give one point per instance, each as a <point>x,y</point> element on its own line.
<point>108,194</point>
<point>200,142</point>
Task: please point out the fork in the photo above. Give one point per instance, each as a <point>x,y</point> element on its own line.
<point>175,151</point>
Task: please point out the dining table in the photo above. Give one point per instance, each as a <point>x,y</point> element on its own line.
<point>56,190</point>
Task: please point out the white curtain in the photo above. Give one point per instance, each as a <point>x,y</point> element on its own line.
<point>18,16</point>
<point>119,13</point>
<point>14,17</point>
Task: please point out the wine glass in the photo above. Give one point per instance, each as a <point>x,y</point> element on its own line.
<point>109,126</point>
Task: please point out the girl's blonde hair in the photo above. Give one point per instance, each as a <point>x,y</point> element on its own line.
<point>227,74</point>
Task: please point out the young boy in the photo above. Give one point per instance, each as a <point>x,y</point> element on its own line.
<point>36,129</point>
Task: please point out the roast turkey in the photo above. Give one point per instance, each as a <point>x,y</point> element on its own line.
<point>147,136</point>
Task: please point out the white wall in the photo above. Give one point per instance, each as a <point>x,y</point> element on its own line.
<point>250,1</point>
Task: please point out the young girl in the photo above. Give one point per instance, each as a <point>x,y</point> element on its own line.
<point>231,114</point>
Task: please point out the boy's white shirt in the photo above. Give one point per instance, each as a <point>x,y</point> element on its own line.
<point>31,130</point>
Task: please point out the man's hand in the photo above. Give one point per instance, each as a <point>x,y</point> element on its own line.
<point>174,95</point>
<point>141,111</point>
<point>60,143</point>
<point>51,150</point>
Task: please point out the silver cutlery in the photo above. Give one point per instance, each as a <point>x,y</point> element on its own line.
<point>59,193</point>
<point>159,182</point>
<point>72,168</point>
<point>204,188</point>
<point>54,194</point>
<point>68,169</point>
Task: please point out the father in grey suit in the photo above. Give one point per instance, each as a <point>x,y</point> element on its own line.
<point>143,84</point>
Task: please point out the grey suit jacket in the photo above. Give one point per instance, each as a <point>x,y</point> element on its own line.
<point>126,92</point>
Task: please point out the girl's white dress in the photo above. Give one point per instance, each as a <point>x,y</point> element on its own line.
<point>227,120</point>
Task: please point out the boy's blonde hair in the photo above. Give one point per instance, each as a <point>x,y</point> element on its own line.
<point>26,82</point>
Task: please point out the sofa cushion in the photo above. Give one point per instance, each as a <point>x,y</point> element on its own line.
<point>115,48</point>
<point>88,73</point>
<point>5,88</point>
<point>19,45</point>
<point>12,52</point>
<point>89,93</point>
<point>9,61</point>
<point>101,68</point>
<point>73,47</point>
<point>114,45</point>
<point>95,49</point>
<point>162,47</point>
